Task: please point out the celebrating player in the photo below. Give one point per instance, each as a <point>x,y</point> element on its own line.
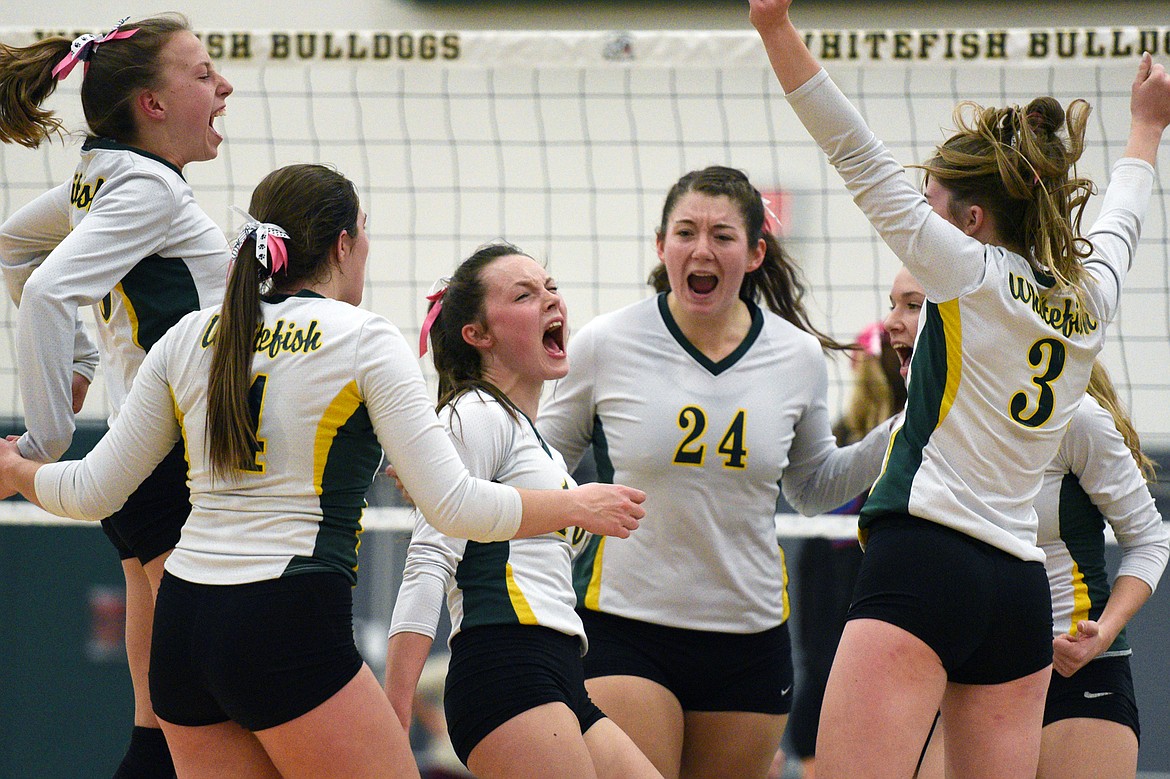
<point>706,400</point>
<point>286,396</point>
<point>515,700</point>
<point>1018,304</point>
<point>126,235</point>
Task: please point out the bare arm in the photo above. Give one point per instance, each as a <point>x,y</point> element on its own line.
<point>16,473</point>
<point>406,654</point>
<point>1070,653</point>
<point>791,60</point>
<point>1149,109</point>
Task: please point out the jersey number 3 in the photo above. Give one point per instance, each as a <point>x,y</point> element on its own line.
<point>1047,356</point>
<point>692,451</point>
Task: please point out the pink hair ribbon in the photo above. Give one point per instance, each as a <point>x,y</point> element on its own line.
<point>437,299</point>
<point>871,338</point>
<point>84,46</point>
<point>771,221</point>
<point>270,249</point>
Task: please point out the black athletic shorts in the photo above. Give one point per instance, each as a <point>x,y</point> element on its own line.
<point>500,671</point>
<point>259,654</point>
<point>1102,689</point>
<point>986,614</point>
<point>152,518</point>
<point>704,670</point>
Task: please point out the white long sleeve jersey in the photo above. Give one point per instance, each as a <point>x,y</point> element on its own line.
<point>708,443</point>
<point>525,581</point>
<point>1001,360</point>
<point>126,236</point>
<point>332,386</point>
<point>1094,480</point>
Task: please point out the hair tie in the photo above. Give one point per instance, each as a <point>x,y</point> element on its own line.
<point>268,236</point>
<point>771,221</point>
<point>84,46</point>
<point>428,322</point>
<point>871,338</point>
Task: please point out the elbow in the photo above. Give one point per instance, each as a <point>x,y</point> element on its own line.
<point>46,450</point>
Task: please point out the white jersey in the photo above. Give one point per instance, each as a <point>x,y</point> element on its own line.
<point>126,236</point>
<point>526,581</point>
<point>1001,360</point>
<point>1094,480</point>
<point>708,443</point>
<point>331,383</point>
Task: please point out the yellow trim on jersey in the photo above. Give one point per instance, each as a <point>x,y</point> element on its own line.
<point>340,409</point>
<point>131,314</point>
<point>953,334</point>
<point>593,591</point>
<point>785,610</point>
<point>519,602</point>
<point>1081,601</point>
<point>182,431</point>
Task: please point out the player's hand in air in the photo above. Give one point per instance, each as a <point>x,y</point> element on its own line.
<point>768,13</point>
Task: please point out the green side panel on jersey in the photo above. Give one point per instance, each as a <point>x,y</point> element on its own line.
<point>601,452</point>
<point>891,492</point>
<point>160,291</point>
<point>352,459</point>
<point>1082,529</point>
<point>482,575</point>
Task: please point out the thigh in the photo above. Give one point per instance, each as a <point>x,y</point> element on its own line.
<point>614,754</point>
<point>542,741</point>
<point>216,751</point>
<point>354,734</point>
<point>730,743</point>
<point>1063,755</point>
<point>993,730</point>
<point>648,713</point>
<point>498,672</point>
<point>883,692</point>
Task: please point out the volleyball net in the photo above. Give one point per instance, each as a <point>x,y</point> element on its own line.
<point>566,143</point>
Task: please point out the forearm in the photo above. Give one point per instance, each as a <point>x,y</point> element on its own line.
<point>545,511</point>
<point>406,654</point>
<point>1144,139</point>
<point>791,60</point>
<point>1129,594</point>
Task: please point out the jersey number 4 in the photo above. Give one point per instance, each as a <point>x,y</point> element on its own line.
<point>1047,356</point>
<point>256,409</point>
<point>692,450</point>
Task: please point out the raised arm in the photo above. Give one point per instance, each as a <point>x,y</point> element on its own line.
<point>791,60</point>
<point>1149,110</point>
